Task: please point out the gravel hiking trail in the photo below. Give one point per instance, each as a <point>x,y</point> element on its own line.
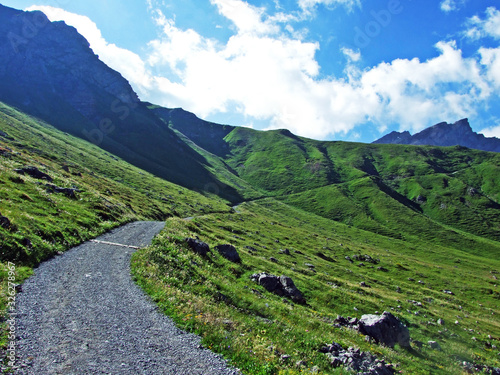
<point>81,313</point>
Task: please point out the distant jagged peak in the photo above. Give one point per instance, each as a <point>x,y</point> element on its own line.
<point>459,133</point>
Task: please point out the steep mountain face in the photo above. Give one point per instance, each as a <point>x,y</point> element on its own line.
<point>443,134</point>
<point>49,71</point>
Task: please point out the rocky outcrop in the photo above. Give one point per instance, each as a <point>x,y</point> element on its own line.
<point>443,134</point>
<point>42,56</point>
<point>199,247</point>
<point>34,172</point>
<point>229,252</point>
<point>385,329</point>
<point>353,359</point>
<point>279,285</point>
<point>69,192</point>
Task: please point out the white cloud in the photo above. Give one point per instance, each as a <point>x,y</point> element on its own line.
<point>493,131</point>
<point>310,4</point>
<point>247,18</point>
<point>269,75</point>
<point>490,58</point>
<point>480,28</point>
<point>129,64</point>
<point>451,5</point>
<point>352,55</point>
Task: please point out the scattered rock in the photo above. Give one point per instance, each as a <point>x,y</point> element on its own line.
<point>4,222</point>
<point>251,249</point>
<point>272,259</point>
<point>199,247</point>
<point>300,364</point>
<point>69,192</point>
<point>474,367</point>
<point>365,258</point>
<point>285,251</point>
<point>309,265</point>
<point>440,322</point>
<point>353,359</point>
<point>285,357</point>
<point>385,329</point>
<point>421,199</point>
<point>434,345</point>
<point>363,284</point>
<point>448,292</point>
<point>472,191</point>
<point>229,252</point>
<point>282,286</point>
<point>6,136</point>
<point>34,172</point>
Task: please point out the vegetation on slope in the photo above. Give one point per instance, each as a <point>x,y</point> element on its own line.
<point>390,189</point>
<point>39,222</point>
<point>267,334</point>
<point>428,218</point>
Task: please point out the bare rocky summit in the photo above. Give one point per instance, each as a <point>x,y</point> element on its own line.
<point>443,134</point>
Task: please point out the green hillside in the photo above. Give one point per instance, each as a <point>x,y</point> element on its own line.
<point>109,191</point>
<point>395,190</point>
<point>257,329</point>
<point>408,222</point>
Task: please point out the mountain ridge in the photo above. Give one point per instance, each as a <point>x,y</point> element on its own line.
<point>459,133</point>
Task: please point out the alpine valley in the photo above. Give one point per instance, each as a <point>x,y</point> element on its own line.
<point>360,228</point>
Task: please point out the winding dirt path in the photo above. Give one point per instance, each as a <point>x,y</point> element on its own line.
<point>81,313</point>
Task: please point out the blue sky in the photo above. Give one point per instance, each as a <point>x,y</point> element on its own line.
<point>326,69</point>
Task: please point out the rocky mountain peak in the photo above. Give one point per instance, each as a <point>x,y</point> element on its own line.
<point>40,57</point>
<point>459,133</point>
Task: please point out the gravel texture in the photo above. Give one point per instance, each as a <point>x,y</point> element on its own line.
<point>81,313</point>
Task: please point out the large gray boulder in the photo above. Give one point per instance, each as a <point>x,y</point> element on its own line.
<point>291,290</point>
<point>199,247</point>
<point>385,329</point>
<point>229,252</point>
<point>281,286</point>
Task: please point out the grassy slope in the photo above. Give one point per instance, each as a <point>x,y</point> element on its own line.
<point>372,187</point>
<point>112,192</point>
<point>217,299</point>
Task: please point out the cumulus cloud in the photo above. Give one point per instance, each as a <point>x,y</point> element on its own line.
<point>487,27</point>
<point>269,75</point>
<point>493,131</point>
<point>451,5</point>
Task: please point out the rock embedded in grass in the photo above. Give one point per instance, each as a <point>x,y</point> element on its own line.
<point>4,222</point>
<point>229,252</point>
<point>282,286</point>
<point>385,329</point>
<point>199,247</point>
<point>34,172</point>
<point>353,359</point>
